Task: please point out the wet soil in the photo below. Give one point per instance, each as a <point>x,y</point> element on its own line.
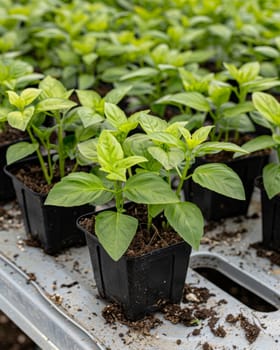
<point>10,135</point>
<point>145,241</point>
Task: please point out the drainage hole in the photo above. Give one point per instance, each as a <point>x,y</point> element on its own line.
<point>239,292</point>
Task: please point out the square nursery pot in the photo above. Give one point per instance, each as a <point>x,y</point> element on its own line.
<point>138,283</point>
<point>6,185</point>
<point>215,206</point>
<point>270,218</point>
<point>53,227</point>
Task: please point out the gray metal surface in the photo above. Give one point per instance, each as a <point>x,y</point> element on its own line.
<point>59,307</point>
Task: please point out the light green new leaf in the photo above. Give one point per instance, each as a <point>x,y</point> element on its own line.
<point>88,98</point>
<point>219,178</point>
<point>115,116</point>
<point>88,150</point>
<point>109,150</point>
<point>88,116</point>
<point>29,95</point>
<point>202,133</point>
<point>128,162</point>
<point>115,232</point>
<point>187,220</point>
<point>54,104</point>
<point>236,110</point>
<point>15,99</point>
<point>152,124</point>
<point>258,143</point>
<point>268,106</point>
<point>53,88</point>
<point>76,189</point>
<point>271,179</point>
<point>20,150</point>
<point>19,120</point>
<point>149,188</point>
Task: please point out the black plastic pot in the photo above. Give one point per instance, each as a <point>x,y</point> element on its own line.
<point>138,283</point>
<point>270,218</point>
<point>54,227</point>
<point>215,206</point>
<point>6,186</point>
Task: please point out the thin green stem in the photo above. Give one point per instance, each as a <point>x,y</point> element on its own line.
<point>184,175</point>
<point>40,158</point>
<point>119,196</point>
<point>60,136</point>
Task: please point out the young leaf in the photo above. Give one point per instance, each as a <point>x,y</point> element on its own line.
<point>88,150</point>
<point>29,95</point>
<point>53,88</point>
<point>114,114</point>
<point>76,189</point>
<point>88,116</point>
<point>271,179</point>
<point>88,98</point>
<point>20,150</point>
<point>115,232</point>
<point>214,147</point>
<point>268,106</point>
<point>19,120</point>
<point>219,178</point>
<point>149,188</point>
<point>187,220</point>
<point>168,159</point>
<point>152,124</point>
<point>53,104</point>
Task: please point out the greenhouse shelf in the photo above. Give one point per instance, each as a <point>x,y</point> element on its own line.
<point>54,299</point>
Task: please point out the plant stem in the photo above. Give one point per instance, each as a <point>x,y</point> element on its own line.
<point>61,160</point>
<point>40,158</point>
<point>184,175</point>
<point>118,196</point>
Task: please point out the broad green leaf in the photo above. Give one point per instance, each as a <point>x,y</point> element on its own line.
<point>142,73</point>
<point>129,162</point>
<point>85,81</point>
<point>19,120</point>
<point>155,209</point>
<point>219,178</point>
<point>166,138</point>
<point>116,95</point>
<point>214,147</point>
<point>261,84</point>
<point>152,124</point>
<point>88,116</point>
<point>149,188</point>
<point>187,220</point>
<point>109,150</point>
<point>114,114</point>
<point>88,150</point>
<point>115,232</point>
<point>191,99</point>
<point>271,179</point>
<point>267,51</point>
<point>268,106</point>
<point>236,110</point>
<point>258,143</point>
<point>76,189</point>
<point>88,98</point>
<point>29,95</point>
<point>53,88</point>
<point>240,122</point>
<point>260,120</point>
<point>168,159</point>
<point>20,150</point>
<point>54,104</point>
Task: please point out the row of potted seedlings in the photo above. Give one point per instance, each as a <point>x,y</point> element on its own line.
<point>90,152</point>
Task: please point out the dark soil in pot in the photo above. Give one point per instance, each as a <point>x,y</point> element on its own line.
<point>54,228</point>
<point>154,267</point>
